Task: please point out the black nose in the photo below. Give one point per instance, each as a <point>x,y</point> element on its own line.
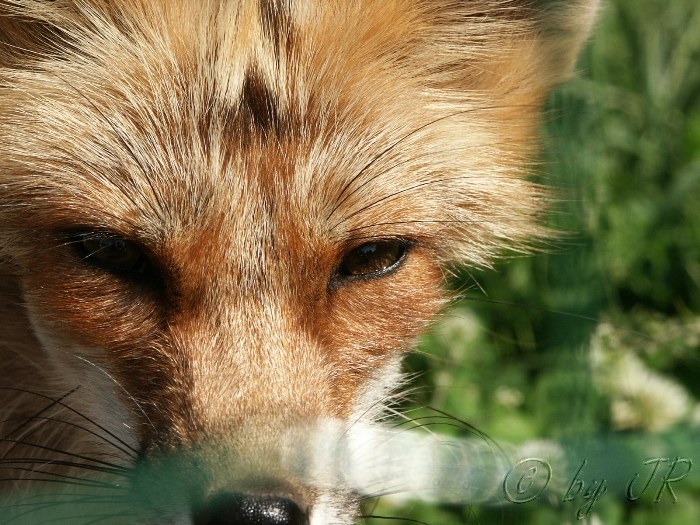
<point>241,509</point>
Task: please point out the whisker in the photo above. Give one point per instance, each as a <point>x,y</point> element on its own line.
<point>393,194</point>
<point>138,405</point>
<point>405,190</point>
<point>37,507</point>
<point>78,413</point>
<point>446,221</point>
<point>78,496</point>
<point>83,482</point>
<point>32,418</point>
<point>567,314</point>
<point>115,471</point>
<point>387,150</point>
<point>366,516</point>
<point>64,452</point>
<point>50,480</point>
<point>75,425</point>
<point>433,420</point>
<point>75,498</point>
<point>467,426</point>
<point>380,402</point>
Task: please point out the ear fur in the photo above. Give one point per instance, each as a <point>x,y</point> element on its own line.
<point>560,26</point>
<point>514,43</point>
<point>565,27</point>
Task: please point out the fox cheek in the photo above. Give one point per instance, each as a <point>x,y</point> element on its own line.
<point>334,351</point>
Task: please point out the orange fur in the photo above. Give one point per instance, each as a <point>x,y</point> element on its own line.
<point>247,147</point>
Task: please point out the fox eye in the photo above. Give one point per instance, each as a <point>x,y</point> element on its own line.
<point>113,254</point>
<point>373,258</point>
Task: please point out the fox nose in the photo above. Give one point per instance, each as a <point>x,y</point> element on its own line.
<point>230,508</point>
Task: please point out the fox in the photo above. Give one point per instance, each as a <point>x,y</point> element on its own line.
<point>223,223</point>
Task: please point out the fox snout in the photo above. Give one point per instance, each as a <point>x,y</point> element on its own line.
<point>221,483</point>
<point>229,509</point>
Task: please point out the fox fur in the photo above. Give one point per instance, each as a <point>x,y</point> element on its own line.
<point>245,148</point>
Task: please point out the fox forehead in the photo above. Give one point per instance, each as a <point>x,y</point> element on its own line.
<point>338,120</point>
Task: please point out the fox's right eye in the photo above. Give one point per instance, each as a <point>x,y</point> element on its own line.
<point>112,253</point>
<point>373,259</point>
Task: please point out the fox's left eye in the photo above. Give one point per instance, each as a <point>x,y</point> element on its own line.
<point>113,254</point>
<point>373,258</point>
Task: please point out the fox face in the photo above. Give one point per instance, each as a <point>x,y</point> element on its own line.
<point>223,223</point>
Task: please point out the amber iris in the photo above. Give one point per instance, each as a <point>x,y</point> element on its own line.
<point>372,258</point>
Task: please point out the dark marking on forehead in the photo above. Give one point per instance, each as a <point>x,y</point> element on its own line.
<point>275,19</point>
<point>258,109</point>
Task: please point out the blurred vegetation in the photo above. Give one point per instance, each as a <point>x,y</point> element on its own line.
<point>595,344</point>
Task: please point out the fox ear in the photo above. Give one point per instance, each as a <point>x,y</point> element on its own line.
<point>24,33</point>
<point>564,26</point>
<point>36,30</point>
<point>507,46</point>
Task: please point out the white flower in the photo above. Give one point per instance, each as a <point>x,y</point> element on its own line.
<point>509,397</point>
<point>458,331</point>
<point>694,417</point>
<point>642,399</point>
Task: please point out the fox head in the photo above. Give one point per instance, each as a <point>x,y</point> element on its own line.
<point>221,220</point>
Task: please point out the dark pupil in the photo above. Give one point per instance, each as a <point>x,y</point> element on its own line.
<point>116,253</point>
<point>372,257</point>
